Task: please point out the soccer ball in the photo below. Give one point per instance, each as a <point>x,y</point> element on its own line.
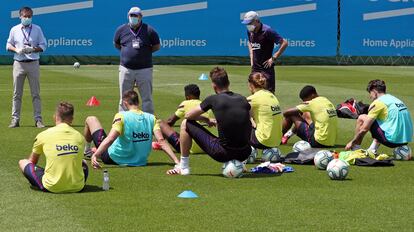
<point>402,153</point>
<point>76,65</point>
<point>252,157</point>
<point>301,146</point>
<point>271,154</point>
<point>337,169</point>
<point>233,169</point>
<point>322,158</point>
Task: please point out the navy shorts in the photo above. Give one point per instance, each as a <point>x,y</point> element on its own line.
<point>378,134</point>
<point>97,137</point>
<point>254,142</point>
<point>212,146</point>
<point>307,133</point>
<point>174,141</point>
<point>34,175</point>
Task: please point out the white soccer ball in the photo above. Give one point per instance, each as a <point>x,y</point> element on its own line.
<point>322,158</point>
<point>271,154</point>
<point>300,146</point>
<point>402,153</point>
<point>337,169</point>
<point>76,65</point>
<point>233,169</point>
<point>252,157</point>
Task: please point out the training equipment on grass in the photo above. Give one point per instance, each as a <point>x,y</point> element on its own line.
<point>337,169</point>
<point>322,158</point>
<point>300,146</point>
<point>76,65</point>
<point>203,77</point>
<point>93,101</point>
<point>233,169</point>
<point>252,157</point>
<point>187,194</point>
<point>402,153</point>
<point>272,155</point>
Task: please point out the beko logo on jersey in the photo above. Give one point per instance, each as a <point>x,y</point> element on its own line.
<point>67,149</point>
<point>140,136</point>
<point>276,110</point>
<point>255,46</point>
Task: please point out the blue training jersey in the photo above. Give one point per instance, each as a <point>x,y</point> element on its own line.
<point>133,146</point>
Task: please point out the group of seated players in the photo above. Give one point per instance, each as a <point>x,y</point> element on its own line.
<point>256,121</point>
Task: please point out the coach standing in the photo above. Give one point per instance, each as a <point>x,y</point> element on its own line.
<point>26,40</point>
<point>136,41</point>
<point>262,39</point>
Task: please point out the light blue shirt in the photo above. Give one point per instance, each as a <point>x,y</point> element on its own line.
<point>134,145</point>
<point>21,36</point>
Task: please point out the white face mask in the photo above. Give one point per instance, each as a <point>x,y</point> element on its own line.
<point>26,21</point>
<point>251,27</point>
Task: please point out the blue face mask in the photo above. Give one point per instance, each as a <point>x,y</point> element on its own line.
<point>133,21</point>
<point>26,21</point>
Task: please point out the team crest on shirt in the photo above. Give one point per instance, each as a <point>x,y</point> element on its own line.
<point>256,46</point>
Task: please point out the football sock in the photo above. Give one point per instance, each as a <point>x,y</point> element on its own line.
<point>185,161</point>
<point>374,145</point>
<point>289,133</point>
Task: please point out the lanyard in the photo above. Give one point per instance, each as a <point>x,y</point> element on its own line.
<point>26,38</point>
<point>136,35</point>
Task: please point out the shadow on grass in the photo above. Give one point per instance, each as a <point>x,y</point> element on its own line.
<point>87,189</point>
<point>245,175</point>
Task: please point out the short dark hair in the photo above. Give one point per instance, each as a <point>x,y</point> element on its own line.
<point>219,77</point>
<point>378,85</point>
<point>25,8</point>
<point>65,111</point>
<point>307,91</point>
<point>131,97</point>
<point>192,90</point>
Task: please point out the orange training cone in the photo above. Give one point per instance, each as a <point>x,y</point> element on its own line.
<point>93,102</point>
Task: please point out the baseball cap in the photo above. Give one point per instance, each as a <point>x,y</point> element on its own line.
<point>249,17</point>
<point>135,11</point>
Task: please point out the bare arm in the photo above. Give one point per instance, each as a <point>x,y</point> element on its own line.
<point>165,147</point>
<point>34,158</point>
<point>291,111</point>
<point>117,46</point>
<point>172,120</point>
<point>250,53</point>
<point>281,49</point>
<point>196,114</point>
<point>113,134</point>
<point>156,47</point>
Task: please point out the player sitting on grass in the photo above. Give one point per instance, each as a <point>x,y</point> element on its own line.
<point>129,141</point>
<point>266,114</point>
<point>388,120</point>
<point>314,120</point>
<point>192,99</point>
<point>62,146</point>
<point>231,111</point>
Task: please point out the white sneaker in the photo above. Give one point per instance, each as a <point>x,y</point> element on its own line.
<point>177,170</point>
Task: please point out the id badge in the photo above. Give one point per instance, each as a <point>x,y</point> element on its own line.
<point>135,44</point>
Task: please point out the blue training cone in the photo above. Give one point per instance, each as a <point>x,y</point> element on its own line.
<point>187,194</point>
<point>203,77</point>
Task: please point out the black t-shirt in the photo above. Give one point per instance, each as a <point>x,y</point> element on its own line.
<point>233,119</point>
<point>136,58</point>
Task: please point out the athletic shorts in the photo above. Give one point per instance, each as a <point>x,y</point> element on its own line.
<point>97,137</point>
<point>307,132</point>
<point>254,142</point>
<point>174,141</point>
<point>34,174</point>
<point>378,134</point>
<point>212,146</point>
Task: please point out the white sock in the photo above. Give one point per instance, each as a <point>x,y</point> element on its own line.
<point>374,145</point>
<point>289,133</point>
<point>185,161</point>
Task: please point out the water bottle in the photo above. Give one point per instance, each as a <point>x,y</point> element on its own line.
<point>105,184</point>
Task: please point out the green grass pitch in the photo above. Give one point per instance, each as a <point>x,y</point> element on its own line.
<point>145,198</point>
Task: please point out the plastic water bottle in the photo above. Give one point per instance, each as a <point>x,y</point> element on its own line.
<point>105,184</point>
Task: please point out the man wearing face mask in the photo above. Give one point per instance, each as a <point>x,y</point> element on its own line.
<point>26,40</point>
<point>262,39</point>
<point>136,41</point>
